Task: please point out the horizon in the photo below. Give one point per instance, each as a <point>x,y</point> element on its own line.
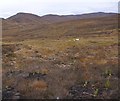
<point>41,8</point>
<point>61,15</point>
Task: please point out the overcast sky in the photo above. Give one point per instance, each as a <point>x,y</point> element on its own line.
<point>61,7</point>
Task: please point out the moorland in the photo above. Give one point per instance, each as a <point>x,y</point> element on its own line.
<point>60,57</point>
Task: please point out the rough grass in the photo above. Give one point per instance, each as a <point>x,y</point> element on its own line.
<point>61,61</point>
<point>50,47</point>
<point>39,85</point>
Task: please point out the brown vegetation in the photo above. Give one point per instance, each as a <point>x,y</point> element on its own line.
<point>45,61</point>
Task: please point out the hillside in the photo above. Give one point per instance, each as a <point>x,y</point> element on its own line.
<point>34,27</point>
<point>60,57</point>
<point>28,18</point>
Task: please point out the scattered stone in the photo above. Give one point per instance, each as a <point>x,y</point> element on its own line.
<point>77,55</point>
<point>8,92</point>
<point>63,66</point>
<point>17,94</point>
<point>76,39</point>
<point>78,91</point>
<point>36,75</point>
<point>16,97</point>
<point>24,75</point>
<point>57,98</point>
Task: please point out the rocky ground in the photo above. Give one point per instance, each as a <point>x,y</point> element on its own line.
<point>85,72</point>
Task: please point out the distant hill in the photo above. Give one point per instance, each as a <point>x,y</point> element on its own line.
<point>24,26</point>
<point>24,18</point>
<point>32,18</point>
<point>57,18</point>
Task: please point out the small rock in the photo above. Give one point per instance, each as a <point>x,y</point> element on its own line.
<point>16,97</point>
<point>57,98</point>
<point>17,94</point>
